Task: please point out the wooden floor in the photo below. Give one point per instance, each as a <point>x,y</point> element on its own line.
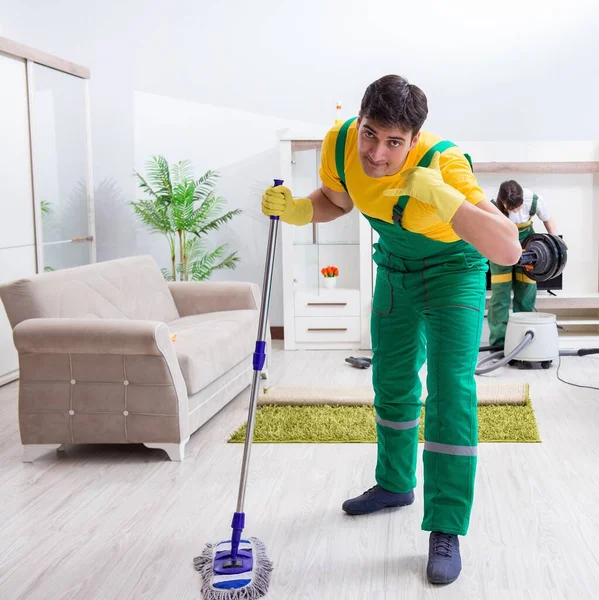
<point>122,522</point>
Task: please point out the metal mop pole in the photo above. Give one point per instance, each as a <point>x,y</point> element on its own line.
<point>258,364</point>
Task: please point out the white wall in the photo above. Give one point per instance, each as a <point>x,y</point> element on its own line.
<point>504,70</point>
<point>241,146</point>
<point>515,71</point>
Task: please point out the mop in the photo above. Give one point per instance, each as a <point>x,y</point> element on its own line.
<point>239,569</point>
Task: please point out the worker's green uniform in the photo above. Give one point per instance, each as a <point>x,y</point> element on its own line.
<point>503,279</point>
<point>428,304</point>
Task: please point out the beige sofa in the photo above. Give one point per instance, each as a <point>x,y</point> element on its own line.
<point>112,353</point>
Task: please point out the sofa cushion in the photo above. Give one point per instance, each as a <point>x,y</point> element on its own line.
<point>208,345</point>
<point>126,288</point>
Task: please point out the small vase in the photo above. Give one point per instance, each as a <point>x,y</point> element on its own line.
<point>330,282</point>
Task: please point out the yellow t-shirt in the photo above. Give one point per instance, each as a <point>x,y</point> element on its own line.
<point>367,192</point>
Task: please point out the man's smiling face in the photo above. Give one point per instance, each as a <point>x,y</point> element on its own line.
<point>383,150</point>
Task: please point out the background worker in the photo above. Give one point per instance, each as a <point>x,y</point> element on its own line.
<point>520,205</point>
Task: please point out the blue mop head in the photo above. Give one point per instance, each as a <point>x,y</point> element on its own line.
<point>249,581</point>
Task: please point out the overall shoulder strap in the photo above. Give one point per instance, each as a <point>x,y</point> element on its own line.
<point>469,159</point>
<point>340,150</point>
<point>439,147</point>
<point>425,161</point>
<point>533,206</point>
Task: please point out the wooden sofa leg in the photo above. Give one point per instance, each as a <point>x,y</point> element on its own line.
<point>33,451</point>
<point>176,452</point>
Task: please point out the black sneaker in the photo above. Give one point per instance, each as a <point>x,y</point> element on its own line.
<point>374,499</point>
<point>444,560</point>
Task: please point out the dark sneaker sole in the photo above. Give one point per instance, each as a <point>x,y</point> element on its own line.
<point>349,511</point>
<point>443,582</point>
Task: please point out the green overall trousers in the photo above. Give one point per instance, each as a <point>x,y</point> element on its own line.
<point>503,279</point>
<point>428,304</point>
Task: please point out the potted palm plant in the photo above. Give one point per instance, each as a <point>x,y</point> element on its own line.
<point>185,210</point>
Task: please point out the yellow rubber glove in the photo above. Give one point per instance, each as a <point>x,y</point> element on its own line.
<point>278,202</point>
<point>427,185</point>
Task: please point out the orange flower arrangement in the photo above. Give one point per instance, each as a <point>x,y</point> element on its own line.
<point>330,271</point>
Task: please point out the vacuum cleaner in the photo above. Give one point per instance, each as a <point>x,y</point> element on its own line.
<point>530,337</point>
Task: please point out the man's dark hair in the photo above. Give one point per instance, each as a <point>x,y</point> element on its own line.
<point>391,102</point>
<point>510,196</point>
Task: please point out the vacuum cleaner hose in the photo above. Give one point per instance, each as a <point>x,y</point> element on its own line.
<point>490,348</point>
<point>580,352</point>
<point>587,351</point>
<point>503,360</point>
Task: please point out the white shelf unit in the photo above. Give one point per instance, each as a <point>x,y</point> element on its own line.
<point>316,317</point>
<point>569,170</point>
<point>577,315</point>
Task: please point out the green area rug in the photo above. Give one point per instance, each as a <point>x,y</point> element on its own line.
<point>337,424</point>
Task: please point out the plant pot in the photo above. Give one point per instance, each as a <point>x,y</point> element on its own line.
<point>330,282</point>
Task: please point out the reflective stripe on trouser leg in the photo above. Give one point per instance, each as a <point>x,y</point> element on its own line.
<point>525,291</point>
<point>453,329</point>
<point>398,354</point>
<point>499,305</point>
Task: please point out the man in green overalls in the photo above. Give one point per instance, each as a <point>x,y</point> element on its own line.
<point>435,228</point>
<point>520,205</point>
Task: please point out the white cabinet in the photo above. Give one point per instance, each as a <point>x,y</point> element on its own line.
<point>316,316</point>
<point>46,198</point>
<point>17,229</point>
<point>14,263</point>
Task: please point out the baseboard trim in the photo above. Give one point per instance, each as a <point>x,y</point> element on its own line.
<point>9,377</point>
<point>277,333</point>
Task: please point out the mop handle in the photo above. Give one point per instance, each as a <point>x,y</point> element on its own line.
<point>266,287</point>
<point>259,354</point>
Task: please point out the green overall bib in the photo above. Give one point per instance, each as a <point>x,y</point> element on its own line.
<point>428,304</point>
<point>503,279</point>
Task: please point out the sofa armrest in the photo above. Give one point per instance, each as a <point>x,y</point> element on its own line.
<point>91,336</point>
<point>198,297</point>
<point>99,381</point>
